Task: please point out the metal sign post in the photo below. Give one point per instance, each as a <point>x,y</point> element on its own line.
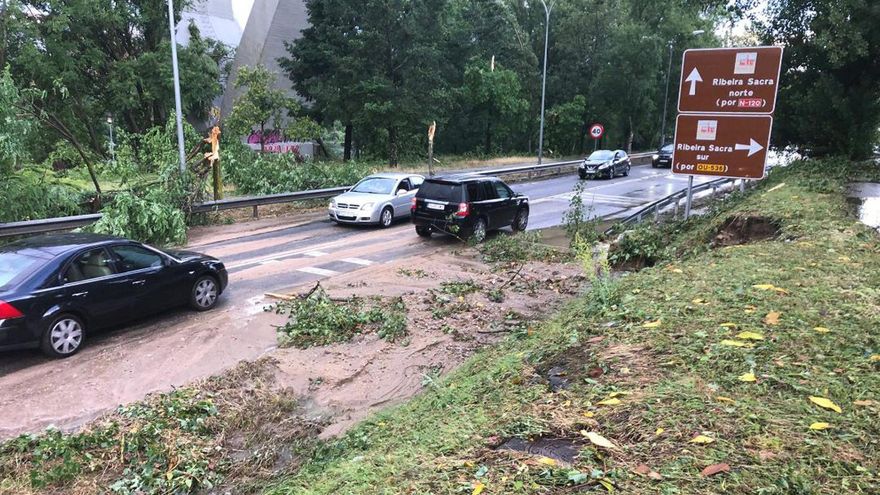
<point>596,132</point>
<point>690,197</point>
<point>176,74</point>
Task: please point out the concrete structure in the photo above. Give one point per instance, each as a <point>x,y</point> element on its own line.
<point>214,18</point>
<point>270,24</point>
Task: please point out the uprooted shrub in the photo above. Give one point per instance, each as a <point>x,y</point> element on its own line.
<point>636,248</point>
<point>316,319</point>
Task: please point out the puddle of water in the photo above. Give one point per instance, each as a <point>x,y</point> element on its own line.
<point>561,449</point>
<point>866,197</point>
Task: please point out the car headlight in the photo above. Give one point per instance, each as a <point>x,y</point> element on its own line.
<point>332,203</point>
<point>367,206</point>
<point>654,157</point>
<point>604,165</point>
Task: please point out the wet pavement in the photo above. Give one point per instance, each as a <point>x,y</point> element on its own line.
<point>122,365</point>
<point>865,196</point>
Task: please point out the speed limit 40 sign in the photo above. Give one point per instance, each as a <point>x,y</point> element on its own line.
<point>596,131</point>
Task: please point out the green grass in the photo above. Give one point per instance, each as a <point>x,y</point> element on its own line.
<point>682,381</point>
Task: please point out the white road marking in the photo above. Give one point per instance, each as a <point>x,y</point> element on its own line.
<point>318,271</point>
<point>315,254</point>
<point>269,262</point>
<point>590,198</point>
<point>357,261</point>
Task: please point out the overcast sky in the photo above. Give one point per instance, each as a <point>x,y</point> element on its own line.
<point>241,9</point>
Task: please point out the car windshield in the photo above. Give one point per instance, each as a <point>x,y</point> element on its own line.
<point>14,267</point>
<point>667,148</point>
<point>374,185</point>
<point>601,155</point>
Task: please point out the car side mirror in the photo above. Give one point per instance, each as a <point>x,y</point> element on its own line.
<point>401,192</point>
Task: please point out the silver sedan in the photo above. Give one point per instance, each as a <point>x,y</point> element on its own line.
<point>376,199</point>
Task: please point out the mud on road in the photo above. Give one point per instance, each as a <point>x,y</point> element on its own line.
<point>342,383</point>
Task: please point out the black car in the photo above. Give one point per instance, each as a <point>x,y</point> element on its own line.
<point>56,289</point>
<point>663,157</point>
<point>605,163</point>
<point>467,207</point>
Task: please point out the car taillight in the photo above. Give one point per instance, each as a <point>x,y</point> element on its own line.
<point>464,209</point>
<point>8,311</point>
<point>412,204</point>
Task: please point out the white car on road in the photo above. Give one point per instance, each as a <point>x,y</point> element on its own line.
<point>376,199</point>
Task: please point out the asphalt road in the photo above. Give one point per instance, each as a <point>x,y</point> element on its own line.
<point>124,364</point>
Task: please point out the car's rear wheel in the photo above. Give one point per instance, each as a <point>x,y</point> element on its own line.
<point>205,292</point>
<point>423,231</point>
<point>64,336</point>
<point>478,235</point>
<point>386,217</point>
<point>521,221</point>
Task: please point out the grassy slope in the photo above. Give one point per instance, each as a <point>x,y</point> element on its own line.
<point>681,379</point>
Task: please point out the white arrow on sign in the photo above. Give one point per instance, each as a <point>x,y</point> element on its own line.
<point>694,78</point>
<point>753,147</point>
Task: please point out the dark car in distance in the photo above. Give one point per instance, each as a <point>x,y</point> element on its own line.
<point>605,163</point>
<point>663,157</point>
<point>467,207</point>
<point>56,289</point>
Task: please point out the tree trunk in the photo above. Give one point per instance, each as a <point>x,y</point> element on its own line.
<point>393,159</point>
<point>262,137</point>
<point>488,145</point>
<point>346,153</point>
<point>629,138</point>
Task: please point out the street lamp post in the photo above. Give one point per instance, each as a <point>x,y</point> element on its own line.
<point>177,105</point>
<point>547,11</point>
<point>666,94</point>
<point>112,145</point>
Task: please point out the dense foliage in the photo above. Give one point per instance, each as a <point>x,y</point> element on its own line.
<point>272,173</point>
<point>829,100</point>
<point>388,69</point>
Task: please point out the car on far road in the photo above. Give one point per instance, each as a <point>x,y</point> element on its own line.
<point>605,163</point>
<point>378,199</point>
<point>55,290</point>
<point>663,157</point>
<point>468,206</point>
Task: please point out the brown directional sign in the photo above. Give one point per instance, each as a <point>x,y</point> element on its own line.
<point>730,80</point>
<point>721,145</point>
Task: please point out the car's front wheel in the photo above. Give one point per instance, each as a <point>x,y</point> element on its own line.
<point>626,171</point>
<point>386,217</point>
<point>521,221</point>
<point>423,231</point>
<point>205,292</point>
<point>63,337</point>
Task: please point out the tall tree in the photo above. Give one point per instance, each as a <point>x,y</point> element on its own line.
<point>387,55</point>
<point>829,97</point>
<point>111,56</point>
<point>262,105</point>
<point>495,99</point>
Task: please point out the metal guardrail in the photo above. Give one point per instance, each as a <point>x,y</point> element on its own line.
<point>656,207</point>
<point>68,223</point>
<point>47,225</point>
<point>272,199</point>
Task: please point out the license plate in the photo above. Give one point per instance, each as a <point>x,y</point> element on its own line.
<point>436,206</point>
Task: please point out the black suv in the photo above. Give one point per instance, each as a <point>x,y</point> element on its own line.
<point>467,207</point>
<point>663,157</point>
